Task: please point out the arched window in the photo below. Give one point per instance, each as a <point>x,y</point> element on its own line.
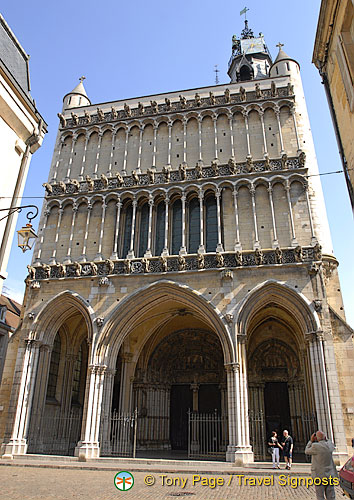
<point>176,226</point>
<point>54,368</point>
<point>211,223</point>
<point>245,74</point>
<point>160,228</point>
<point>127,224</point>
<point>194,226</point>
<point>144,229</point>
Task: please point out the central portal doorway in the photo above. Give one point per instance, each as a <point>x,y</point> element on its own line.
<point>277,409</point>
<point>181,403</point>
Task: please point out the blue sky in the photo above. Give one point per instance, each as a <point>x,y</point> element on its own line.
<point>128,49</point>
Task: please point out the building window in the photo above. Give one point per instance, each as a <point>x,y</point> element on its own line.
<point>127,224</point>
<point>160,228</point>
<point>245,74</point>
<point>144,229</point>
<point>194,225</point>
<point>54,368</point>
<point>211,223</point>
<point>345,53</point>
<point>176,226</point>
<point>3,310</point>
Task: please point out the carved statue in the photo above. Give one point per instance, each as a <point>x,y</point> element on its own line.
<point>90,183</point>
<point>200,261</point>
<point>273,89</point>
<point>135,177</point>
<point>258,91</point>
<point>75,118</point>
<point>109,265</point>
<point>127,110</point>
<point>215,167</point>
<point>146,264</point>
<point>166,170</point>
<point>31,272</point>
<point>120,179</point>
<point>62,186</point>
<point>249,163</point>
<point>212,98</point>
<point>154,106</point>
<point>227,96</point>
<point>87,117</point>
<point>104,180</point>
<point>302,159</point>
<point>284,161</point>
<point>163,261</point>
<point>232,166</point>
<point>238,258</point>
<point>198,100</point>
<point>77,268</point>
<point>298,254</point>
<point>127,266</point>
<point>47,187</point>
<point>258,257</point>
<point>278,256</point>
<point>168,104</point>
<point>100,115</point>
<point>317,252</point>
<point>242,94</point>
<point>219,259</point>
<point>114,113</point>
<point>183,101</point>
<point>183,171</point>
<point>266,161</point>
<point>151,175</point>
<point>199,169</point>
<point>76,184</point>
<point>94,269</point>
<point>61,270</point>
<point>290,89</point>
<point>181,263</point>
<point>46,270</point>
<point>62,119</point>
<point>140,108</point>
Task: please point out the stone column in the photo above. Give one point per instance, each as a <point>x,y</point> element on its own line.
<point>89,446</point>
<point>109,172</point>
<point>55,246</point>
<point>124,171</point>
<point>100,135</point>
<point>296,129</point>
<point>74,139</point>
<point>201,248</point>
<point>306,189</point>
<point>233,397</point>
<point>275,242</point>
<point>245,115</point>
<point>261,114</point>
<point>231,138</point>
<point>46,214</point>
<point>294,242</point>
<point>256,243</point>
<point>215,136</point>
<point>219,247</point>
<point>183,249</point>
<point>99,255</point>
<point>277,114</point>
<point>165,248</point>
<point>67,259</point>
<point>184,140</point>
<point>23,392</point>
<point>155,144</point>
<point>131,251</point>
<point>148,252</point>
<point>60,149</point>
<point>169,143</point>
<point>83,256</point>
<point>200,158</point>
<point>114,255</point>
<point>141,130</point>
<point>194,427</point>
<point>238,246</point>
<point>81,176</point>
<point>105,431</point>
<point>245,432</point>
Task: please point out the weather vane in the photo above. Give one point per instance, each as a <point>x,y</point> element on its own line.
<point>216,71</point>
<point>244,11</point>
<point>82,78</point>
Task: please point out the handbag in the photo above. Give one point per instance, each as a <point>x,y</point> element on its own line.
<point>270,450</point>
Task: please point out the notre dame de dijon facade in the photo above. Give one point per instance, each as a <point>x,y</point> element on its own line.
<point>184,268</point>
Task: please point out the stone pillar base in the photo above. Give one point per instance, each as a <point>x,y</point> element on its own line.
<point>239,455</point>
<point>340,457</point>
<point>14,447</point>
<point>85,450</point>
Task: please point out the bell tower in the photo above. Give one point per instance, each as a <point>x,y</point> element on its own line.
<point>250,58</point>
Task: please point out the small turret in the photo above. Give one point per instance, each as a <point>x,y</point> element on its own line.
<point>283,64</point>
<point>77,97</point>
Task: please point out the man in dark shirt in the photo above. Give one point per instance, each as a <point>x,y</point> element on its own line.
<point>287,445</point>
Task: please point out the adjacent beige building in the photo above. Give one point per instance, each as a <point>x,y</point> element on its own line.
<point>21,133</point>
<point>184,269</point>
<point>333,56</point>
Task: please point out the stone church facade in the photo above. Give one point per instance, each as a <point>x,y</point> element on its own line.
<point>184,268</point>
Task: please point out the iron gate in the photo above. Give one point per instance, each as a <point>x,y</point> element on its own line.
<point>207,435</point>
<point>257,434</point>
<point>121,428</point>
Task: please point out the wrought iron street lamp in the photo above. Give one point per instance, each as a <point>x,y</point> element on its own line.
<point>26,235</point>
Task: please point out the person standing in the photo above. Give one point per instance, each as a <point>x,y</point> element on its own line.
<point>288,445</point>
<point>274,444</point>
<point>321,449</point>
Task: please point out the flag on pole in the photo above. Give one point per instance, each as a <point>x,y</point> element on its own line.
<point>243,11</point>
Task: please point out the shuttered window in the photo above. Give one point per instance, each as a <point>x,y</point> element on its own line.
<point>176,227</point>
<point>127,221</point>
<point>160,228</point>
<point>144,228</point>
<point>194,226</point>
<point>211,224</point>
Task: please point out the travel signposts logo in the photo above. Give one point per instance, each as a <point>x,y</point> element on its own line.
<point>124,480</point>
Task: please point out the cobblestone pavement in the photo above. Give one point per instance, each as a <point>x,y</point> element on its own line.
<point>35,483</point>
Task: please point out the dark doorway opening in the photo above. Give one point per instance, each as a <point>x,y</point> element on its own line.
<point>181,402</point>
<point>209,398</point>
<point>277,410</point>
